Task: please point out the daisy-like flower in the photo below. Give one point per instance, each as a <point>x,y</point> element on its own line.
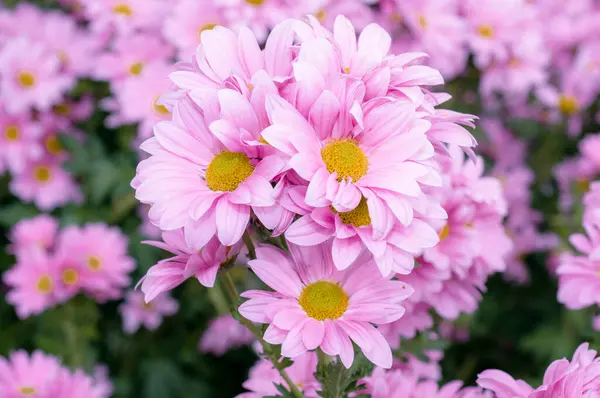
<point>263,377</point>
<point>124,15</point>
<point>32,282</point>
<point>224,333</point>
<point>22,375</point>
<point>217,180</point>
<point>40,231</point>
<point>45,183</point>
<point>136,312</point>
<point>30,76</point>
<point>97,259</point>
<point>19,140</point>
<point>314,305</point>
<point>171,272</point>
<point>77,384</point>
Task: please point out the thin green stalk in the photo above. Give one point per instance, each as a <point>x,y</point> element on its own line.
<point>249,245</point>
<point>233,295</point>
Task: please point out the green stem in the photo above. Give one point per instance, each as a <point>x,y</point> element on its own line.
<point>249,245</point>
<point>233,295</point>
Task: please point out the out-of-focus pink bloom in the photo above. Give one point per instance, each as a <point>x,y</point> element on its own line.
<point>136,312</point>
<point>46,184</point>
<point>263,377</point>
<point>32,281</point>
<point>148,229</point>
<point>19,140</point>
<point>224,333</point>
<point>258,15</point>
<point>40,231</point>
<point>576,378</point>
<point>314,305</point>
<point>124,16</point>
<point>22,375</point>
<point>30,77</point>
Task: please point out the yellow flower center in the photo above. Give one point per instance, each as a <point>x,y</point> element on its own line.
<point>44,284</point>
<point>63,57</point>
<point>514,63</point>
<point>147,306</point>
<point>160,109</point>
<point>444,232</point>
<point>94,263</point>
<point>52,145</point>
<point>227,171</point>
<point>485,31</point>
<point>208,26</point>
<point>346,70</point>
<point>255,3</point>
<point>26,79</point>
<point>28,391</point>
<point>62,109</point>
<point>568,104</point>
<point>324,300</point>
<point>359,217</point>
<point>345,157</point>
<point>70,276</point>
<point>136,69</point>
<point>123,9</point>
<point>42,173</point>
<point>583,185</point>
<point>321,14</point>
<point>12,133</point>
<point>423,22</point>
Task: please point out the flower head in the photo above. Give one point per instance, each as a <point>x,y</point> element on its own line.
<point>137,312</point>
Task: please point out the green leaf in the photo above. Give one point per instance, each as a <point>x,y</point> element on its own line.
<point>337,381</point>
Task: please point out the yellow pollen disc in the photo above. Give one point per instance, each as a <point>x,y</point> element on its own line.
<point>63,57</point>
<point>208,26</point>
<point>255,3</point>
<point>28,391</point>
<point>486,31</point>
<point>12,133</point>
<point>42,173</point>
<point>62,109</point>
<point>45,285</point>
<point>583,185</point>
<point>346,70</point>
<point>94,263</point>
<point>444,232</point>
<point>160,109</point>
<point>324,300</point>
<point>422,22</point>
<point>262,140</point>
<point>568,104</point>
<point>514,63</point>
<point>26,79</point>
<point>147,306</point>
<point>345,157</point>
<point>136,69</point>
<point>359,217</point>
<point>227,171</point>
<point>52,145</point>
<point>123,9</point>
<point>321,14</point>
<point>70,276</point>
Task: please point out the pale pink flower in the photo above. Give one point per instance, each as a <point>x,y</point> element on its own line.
<point>258,15</point>
<point>46,184</point>
<point>136,312</point>
<point>263,377</point>
<point>417,318</point>
<point>77,384</point>
<point>31,76</point>
<point>32,282</point>
<point>326,11</point>
<point>19,140</point>
<point>40,231</point>
<point>22,375</point>
<point>124,16</point>
<point>171,272</point>
<point>224,333</point>
<point>188,19</point>
<point>96,255</point>
<point>314,305</point>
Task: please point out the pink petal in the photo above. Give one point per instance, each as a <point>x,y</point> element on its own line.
<point>306,232</point>
<point>313,333</point>
<point>280,277</point>
<point>232,221</point>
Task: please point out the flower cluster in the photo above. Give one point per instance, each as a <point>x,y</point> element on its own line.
<point>137,312</point>
<point>224,333</point>
<point>53,266</point>
<point>41,375</point>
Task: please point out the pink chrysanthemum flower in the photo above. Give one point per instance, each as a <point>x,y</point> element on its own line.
<point>314,305</point>
<point>32,282</point>
<point>224,333</point>
<point>563,378</point>
<point>263,377</point>
<point>124,16</point>
<point>40,231</point>
<point>96,259</point>
<point>136,312</point>
<point>217,179</point>
<point>19,140</point>
<point>25,376</point>
<point>171,272</point>
<point>31,76</point>
<point>186,23</point>
<point>258,15</point>
<point>77,384</point>
<point>46,184</point>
